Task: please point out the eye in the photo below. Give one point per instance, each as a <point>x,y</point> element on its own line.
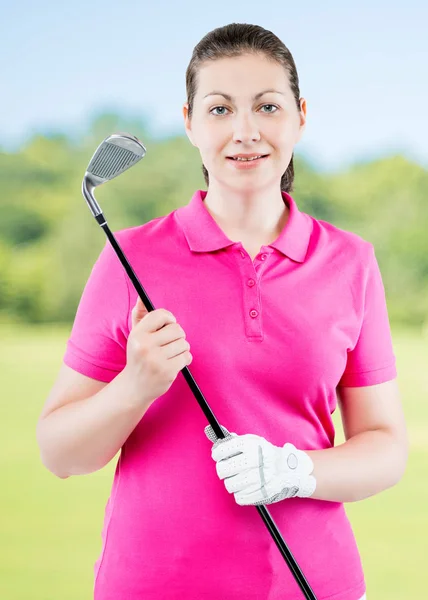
<point>272,106</point>
<point>218,107</point>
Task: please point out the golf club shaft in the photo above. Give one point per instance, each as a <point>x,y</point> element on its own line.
<point>270,524</point>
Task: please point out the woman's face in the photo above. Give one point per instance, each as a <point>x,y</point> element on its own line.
<point>231,116</point>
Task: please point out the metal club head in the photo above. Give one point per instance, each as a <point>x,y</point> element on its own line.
<point>116,154</point>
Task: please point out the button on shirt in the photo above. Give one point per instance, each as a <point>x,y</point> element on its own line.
<point>271,340</point>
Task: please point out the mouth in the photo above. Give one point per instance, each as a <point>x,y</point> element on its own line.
<point>244,160</point>
<point>246,164</point>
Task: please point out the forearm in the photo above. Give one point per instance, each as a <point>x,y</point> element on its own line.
<point>363,466</point>
<point>83,436</point>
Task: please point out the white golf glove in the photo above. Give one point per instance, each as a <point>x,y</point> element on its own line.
<point>257,472</point>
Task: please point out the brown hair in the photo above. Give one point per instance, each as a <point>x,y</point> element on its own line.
<point>234,40</point>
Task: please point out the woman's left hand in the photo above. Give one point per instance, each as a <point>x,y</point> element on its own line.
<point>257,472</point>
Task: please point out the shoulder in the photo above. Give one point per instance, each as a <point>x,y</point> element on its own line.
<point>340,244</point>
<point>341,257</point>
<point>143,237</point>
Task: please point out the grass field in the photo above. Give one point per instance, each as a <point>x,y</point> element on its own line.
<point>50,528</point>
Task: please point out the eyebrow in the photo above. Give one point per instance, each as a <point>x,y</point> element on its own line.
<point>228,97</point>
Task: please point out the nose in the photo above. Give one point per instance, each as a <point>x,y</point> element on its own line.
<point>245,129</point>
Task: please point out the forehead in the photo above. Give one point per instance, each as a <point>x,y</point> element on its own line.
<point>241,76</point>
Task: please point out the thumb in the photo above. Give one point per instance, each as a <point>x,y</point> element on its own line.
<point>138,312</point>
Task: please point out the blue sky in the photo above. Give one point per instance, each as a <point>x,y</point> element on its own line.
<point>362,68</point>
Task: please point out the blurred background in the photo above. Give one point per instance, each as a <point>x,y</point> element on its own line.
<point>72,74</point>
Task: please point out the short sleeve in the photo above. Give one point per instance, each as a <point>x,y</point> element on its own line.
<point>97,343</point>
<point>372,360</point>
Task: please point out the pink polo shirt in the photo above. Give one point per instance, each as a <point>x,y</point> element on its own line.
<point>271,340</point>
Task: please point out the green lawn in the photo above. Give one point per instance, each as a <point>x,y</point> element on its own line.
<point>50,529</point>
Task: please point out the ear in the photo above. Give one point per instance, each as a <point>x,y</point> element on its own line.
<point>302,119</point>
<point>188,123</point>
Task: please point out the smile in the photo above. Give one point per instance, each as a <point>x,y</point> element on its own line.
<point>253,158</point>
<point>247,163</point>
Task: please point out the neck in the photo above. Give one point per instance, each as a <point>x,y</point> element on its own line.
<point>259,215</point>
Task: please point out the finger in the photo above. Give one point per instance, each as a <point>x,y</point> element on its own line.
<point>253,498</point>
<point>224,449</point>
<point>248,481</point>
<point>237,464</point>
<point>138,312</point>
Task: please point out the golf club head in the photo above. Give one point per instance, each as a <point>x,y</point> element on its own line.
<point>116,154</point>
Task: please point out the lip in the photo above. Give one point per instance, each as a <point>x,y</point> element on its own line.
<point>243,155</point>
<point>250,164</point>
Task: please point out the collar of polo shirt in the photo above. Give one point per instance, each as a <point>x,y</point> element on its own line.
<point>207,236</point>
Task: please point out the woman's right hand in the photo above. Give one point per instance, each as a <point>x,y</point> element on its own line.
<point>156,351</point>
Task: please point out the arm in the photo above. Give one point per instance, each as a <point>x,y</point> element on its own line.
<point>374,456</point>
<point>85,432</point>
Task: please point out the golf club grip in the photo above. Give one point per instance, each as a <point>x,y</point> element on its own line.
<point>269,522</point>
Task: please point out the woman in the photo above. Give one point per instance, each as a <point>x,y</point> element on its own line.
<point>285,316</point>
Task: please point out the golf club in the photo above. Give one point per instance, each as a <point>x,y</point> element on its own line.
<point>116,154</point>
